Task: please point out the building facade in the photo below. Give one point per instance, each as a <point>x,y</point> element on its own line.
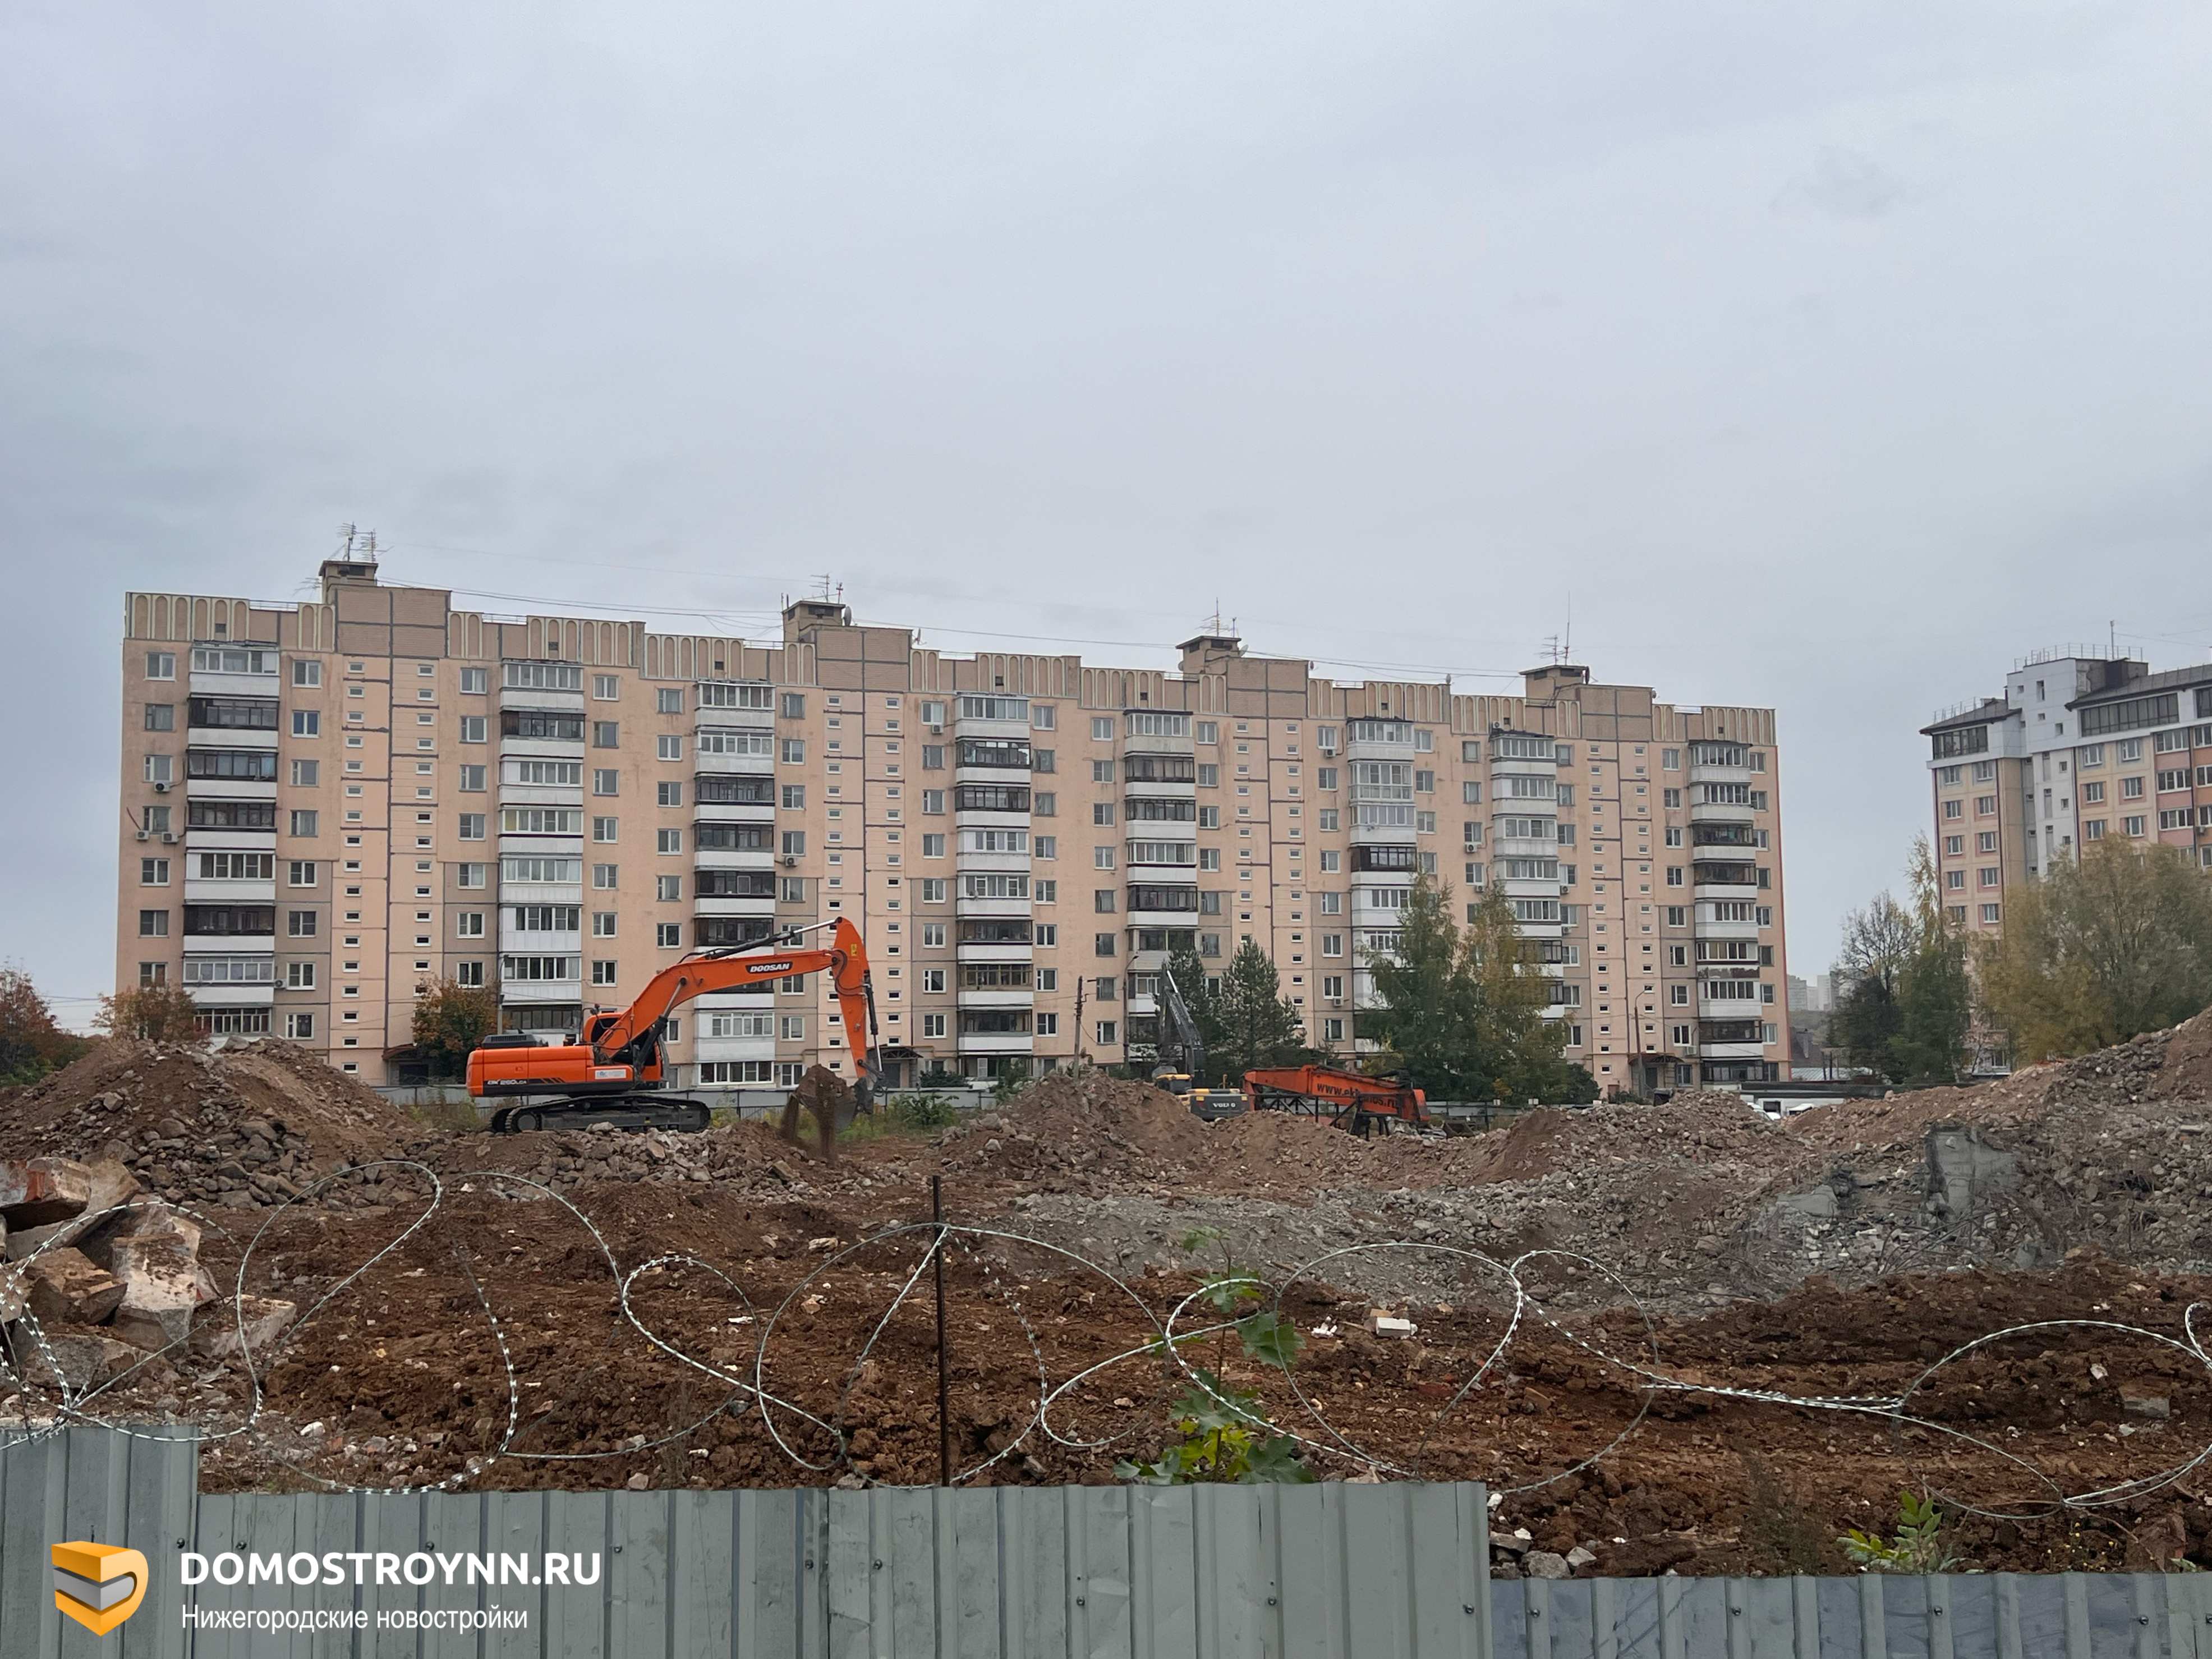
<point>2081,748</point>
<point>329,806</point>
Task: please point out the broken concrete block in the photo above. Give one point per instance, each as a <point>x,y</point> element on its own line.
<point>162,1283</point>
<point>65,1288</point>
<point>2157,1407</point>
<point>1380,1324</point>
<point>1545,1564</point>
<point>144,1216</point>
<point>215,1333</point>
<point>24,1243</point>
<point>85,1359</point>
<point>35,1191</point>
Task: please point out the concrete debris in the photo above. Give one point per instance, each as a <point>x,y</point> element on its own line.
<point>1544,1564</point>
<point>84,1360</point>
<point>217,1334</point>
<point>163,1285</point>
<point>67,1288</point>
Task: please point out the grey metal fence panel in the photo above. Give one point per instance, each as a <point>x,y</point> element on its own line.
<point>93,1485</point>
<point>1216,1573</point>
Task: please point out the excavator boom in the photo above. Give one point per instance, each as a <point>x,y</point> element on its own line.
<point>1351,1099</point>
<point>610,1075</point>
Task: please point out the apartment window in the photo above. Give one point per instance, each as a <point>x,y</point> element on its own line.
<point>306,773</point>
<point>1955,878</point>
<point>304,821</point>
<point>467,875</point>
<point>668,841</point>
<point>668,935</point>
<point>794,797</point>
<point>2131,826</point>
<point>1209,817</point>
<point>161,664</point>
<point>933,889</point>
<point>471,826</point>
<point>300,872</point>
<point>1209,775</point>
<point>300,924</point>
<point>305,722</point>
<point>153,873</point>
<point>1989,878</point>
<point>1102,813</point>
<point>1102,944</point>
<point>1985,842</point>
<point>606,688</point>
<point>603,828</point>
<point>2127,748</point>
<point>2131,788</point>
<point>473,728</point>
<point>1678,995</point>
<point>1677,915</point>
<point>668,888</point>
<point>668,700</point>
<point>1332,945</point>
<point>1101,728</point>
<point>1954,809</point>
<point>1109,1033</point>
<point>1102,771</point>
<point>795,843</point>
<point>468,924</point>
<point>794,751</point>
<point>933,935</point>
<point>1103,901</point>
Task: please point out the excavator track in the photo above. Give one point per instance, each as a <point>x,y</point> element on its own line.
<point>637,1112</point>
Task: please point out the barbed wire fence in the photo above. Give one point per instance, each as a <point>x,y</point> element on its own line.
<point>49,1401</point>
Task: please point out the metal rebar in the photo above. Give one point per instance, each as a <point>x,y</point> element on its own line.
<point>944,1371</point>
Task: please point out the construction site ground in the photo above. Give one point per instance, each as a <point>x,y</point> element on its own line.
<point>1712,1303</point>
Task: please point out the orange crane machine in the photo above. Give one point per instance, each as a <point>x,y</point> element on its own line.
<point>612,1075</point>
<point>1351,1100</point>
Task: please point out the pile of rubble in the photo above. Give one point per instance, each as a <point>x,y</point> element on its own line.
<point>99,1278</point>
<point>230,1124</point>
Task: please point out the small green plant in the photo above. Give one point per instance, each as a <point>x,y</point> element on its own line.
<point>1916,1546</point>
<point>931,1111</point>
<point>1226,1436</point>
<point>1010,1082</point>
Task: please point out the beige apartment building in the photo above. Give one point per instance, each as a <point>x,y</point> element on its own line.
<point>328,806</point>
<point>2082,747</point>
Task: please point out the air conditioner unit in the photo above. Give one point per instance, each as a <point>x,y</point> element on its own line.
<point>936,731</point>
<point>790,863</point>
<point>169,838</point>
<point>161,788</point>
<point>145,835</point>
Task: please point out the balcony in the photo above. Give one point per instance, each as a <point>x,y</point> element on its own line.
<point>722,752</point>
<point>997,1043</point>
<point>262,995</point>
<point>993,714</point>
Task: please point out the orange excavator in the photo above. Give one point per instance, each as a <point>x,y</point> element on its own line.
<point>612,1075</point>
<point>1351,1100</point>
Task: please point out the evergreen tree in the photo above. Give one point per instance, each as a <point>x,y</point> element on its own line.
<point>1196,990</point>
<point>1258,1026</point>
<point>1463,1011</point>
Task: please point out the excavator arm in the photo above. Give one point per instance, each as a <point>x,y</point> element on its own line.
<point>629,1037</point>
<point>611,1075</point>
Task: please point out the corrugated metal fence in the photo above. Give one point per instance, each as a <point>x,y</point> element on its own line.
<point>1210,1572</point>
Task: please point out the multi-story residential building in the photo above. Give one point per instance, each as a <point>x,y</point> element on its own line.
<point>331,805</point>
<point>2081,746</point>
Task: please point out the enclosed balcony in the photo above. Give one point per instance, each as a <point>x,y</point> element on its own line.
<point>1156,731</point>
<point>991,716</point>
<point>241,670</point>
<point>722,751</point>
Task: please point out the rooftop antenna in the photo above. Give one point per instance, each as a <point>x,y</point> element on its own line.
<point>826,583</point>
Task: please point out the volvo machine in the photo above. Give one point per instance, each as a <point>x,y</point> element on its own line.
<point>613,1074</point>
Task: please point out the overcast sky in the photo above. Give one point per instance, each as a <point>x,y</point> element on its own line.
<point>1828,356</point>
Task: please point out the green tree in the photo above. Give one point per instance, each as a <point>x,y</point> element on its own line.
<point>31,1043</point>
<point>1258,1026</point>
<point>1198,995</point>
<point>450,1020</point>
<point>1464,1009</point>
<point>1905,1011</point>
<point>2101,949</point>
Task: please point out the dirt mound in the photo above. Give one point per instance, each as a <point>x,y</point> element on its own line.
<point>1082,1126</point>
<point>1703,1127</point>
<point>2185,1070</point>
